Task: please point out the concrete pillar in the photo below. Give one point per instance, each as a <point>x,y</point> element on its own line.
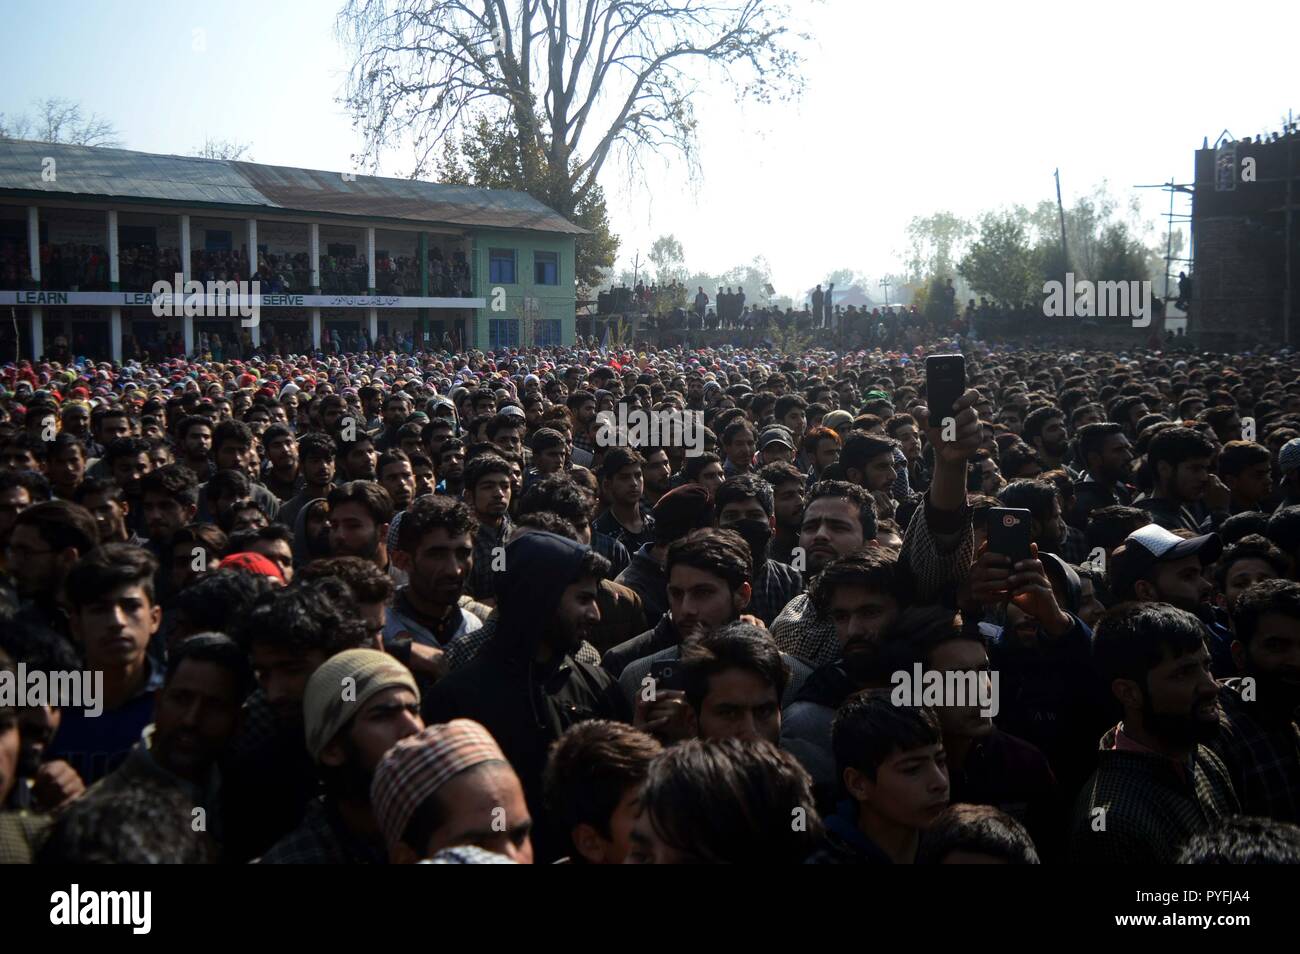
<point>252,253</point>
<point>187,268</point>
<point>186,251</point>
<point>373,324</point>
<point>34,242</point>
<point>38,333</point>
<point>424,292</point>
<point>255,331</point>
<point>115,334</point>
<point>370,259</point>
<point>313,252</point>
<point>476,319</point>
<point>114,282</point>
<point>315,319</point>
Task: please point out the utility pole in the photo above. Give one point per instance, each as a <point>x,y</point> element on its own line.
<point>636,271</point>
<point>1060,207</point>
<point>885,283</point>
<point>1287,299</point>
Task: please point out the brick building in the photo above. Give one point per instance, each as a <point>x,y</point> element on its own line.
<point>1246,244</point>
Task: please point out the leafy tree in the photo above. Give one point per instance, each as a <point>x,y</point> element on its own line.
<point>669,259</point>
<point>1101,242</point>
<point>491,156</point>
<point>1019,249</point>
<point>753,277</point>
<point>1000,262</point>
<point>845,278</point>
<point>934,301</point>
<point>934,244</point>
<point>1118,256</point>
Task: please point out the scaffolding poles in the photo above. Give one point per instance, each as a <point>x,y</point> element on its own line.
<point>1174,189</point>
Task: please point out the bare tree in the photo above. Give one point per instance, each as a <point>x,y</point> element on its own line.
<point>61,120</point>
<point>580,80</point>
<point>15,127</point>
<point>223,149</point>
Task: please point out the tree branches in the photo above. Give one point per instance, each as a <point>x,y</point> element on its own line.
<point>580,78</point>
<point>224,149</point>
<point>61,120</point>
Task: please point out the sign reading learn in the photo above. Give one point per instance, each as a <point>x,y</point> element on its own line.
<point>146,300</point>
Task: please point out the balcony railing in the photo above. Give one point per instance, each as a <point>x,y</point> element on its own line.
<point>85,268</point>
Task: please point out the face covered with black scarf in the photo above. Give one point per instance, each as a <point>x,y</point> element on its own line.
<point>753,523</point>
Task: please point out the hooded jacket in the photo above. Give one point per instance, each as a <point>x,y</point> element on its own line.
<point>648,579</point>
<point>301,550</point>
<point>1052,698</point>
<point>527,705</point>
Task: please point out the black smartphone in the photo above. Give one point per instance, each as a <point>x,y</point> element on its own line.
<point>945,382</point>
<point>1008,532</point>
<point>667,674</point>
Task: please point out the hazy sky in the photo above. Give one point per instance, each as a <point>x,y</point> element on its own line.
<point>910,108</point>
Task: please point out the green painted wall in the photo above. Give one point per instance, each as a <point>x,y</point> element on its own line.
<point>553,301</point>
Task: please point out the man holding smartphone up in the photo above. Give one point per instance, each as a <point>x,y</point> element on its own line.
<point>938,546</point>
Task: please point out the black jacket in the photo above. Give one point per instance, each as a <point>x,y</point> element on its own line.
<point>1169,514</point>
<point>663,636</point>
<point>829,685</point>
<point>1013,776</point>
<point>1089,495</point>
<point>647,577</point>
<point>524,704</point>
<point>1052,698</point>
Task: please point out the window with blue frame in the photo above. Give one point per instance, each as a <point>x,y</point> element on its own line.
<point>546,268</point>
<point>546,333</point>
<point>501,266</point>
<point>503,333</point>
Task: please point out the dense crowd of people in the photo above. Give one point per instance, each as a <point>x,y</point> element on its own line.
<point>71,266</point>
<point>379,607</point>
<point>666,314</point>
<point>890,328</point>
<point>67,266</point>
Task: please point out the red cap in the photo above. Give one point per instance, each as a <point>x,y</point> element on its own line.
<point>252,563</point>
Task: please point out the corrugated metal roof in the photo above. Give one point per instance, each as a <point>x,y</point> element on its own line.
<point>122,173</point>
